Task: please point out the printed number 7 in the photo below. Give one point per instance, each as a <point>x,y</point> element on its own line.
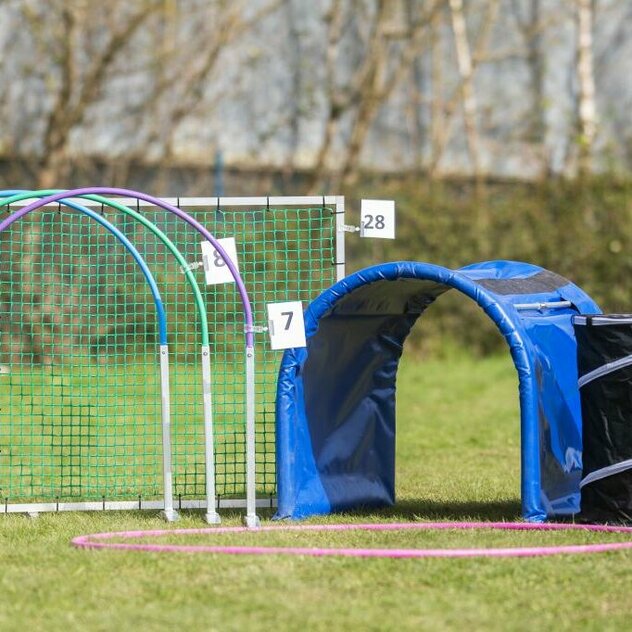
<point>289,315</point>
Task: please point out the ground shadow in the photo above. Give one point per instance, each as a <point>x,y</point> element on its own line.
<point>447,510</point>
<point>404,510</point>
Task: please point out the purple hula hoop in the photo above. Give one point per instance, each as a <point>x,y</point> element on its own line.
<point>103,540</point>
<point>248,319</point>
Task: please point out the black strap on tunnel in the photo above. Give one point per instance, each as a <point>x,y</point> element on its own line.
<point>539,283</point>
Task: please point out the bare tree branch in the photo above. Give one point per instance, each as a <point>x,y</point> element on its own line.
<point>586,106</point>
<point>444,131</point>
<point>189,80</point>
<point>387,57</point>
<point>78,91</point>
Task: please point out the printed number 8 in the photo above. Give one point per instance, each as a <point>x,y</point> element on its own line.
<point>218,262</point>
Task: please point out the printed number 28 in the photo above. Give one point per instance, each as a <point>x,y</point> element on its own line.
<point>379,222</point>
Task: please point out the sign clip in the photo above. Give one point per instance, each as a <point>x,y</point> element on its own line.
<point>347,228</point>
<point>255,329</point>
<point>191,266</point>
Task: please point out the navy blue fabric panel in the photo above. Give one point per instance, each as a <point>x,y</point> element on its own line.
<point>353,360</point>
<point>389,297</point>
<point>554,397</point>
<point>554,393</point>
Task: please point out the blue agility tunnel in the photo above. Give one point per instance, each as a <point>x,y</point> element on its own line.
<point>336,397</point>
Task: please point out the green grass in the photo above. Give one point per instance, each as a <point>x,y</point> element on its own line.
<point>458,458</point>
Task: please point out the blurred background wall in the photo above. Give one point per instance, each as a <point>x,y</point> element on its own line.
<point>323,88</point>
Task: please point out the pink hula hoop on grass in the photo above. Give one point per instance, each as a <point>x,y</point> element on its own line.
<point>103,540</point>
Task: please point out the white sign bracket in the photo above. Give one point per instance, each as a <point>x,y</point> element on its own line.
<point>347,228</point>
<point>191,266</point>
<point>255,329</point>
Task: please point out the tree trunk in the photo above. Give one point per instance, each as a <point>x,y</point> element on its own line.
<point>586,108</point>
<point>466,72</point>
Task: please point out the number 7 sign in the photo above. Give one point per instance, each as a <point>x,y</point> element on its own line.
<point>285,325</point>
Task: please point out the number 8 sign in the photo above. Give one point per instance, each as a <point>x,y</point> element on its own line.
<point>215,268</point>
<point>285,325</point>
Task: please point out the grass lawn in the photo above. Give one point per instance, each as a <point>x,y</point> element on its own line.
<point>458,458</point>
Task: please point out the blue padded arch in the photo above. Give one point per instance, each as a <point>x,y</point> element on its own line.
<point>336,397</point>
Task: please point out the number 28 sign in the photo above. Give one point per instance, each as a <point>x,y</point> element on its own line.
<point>377,219</point>
<point>285,325</point>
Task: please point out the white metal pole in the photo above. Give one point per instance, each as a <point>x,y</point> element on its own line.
<point>340,238</point>
<point>212,517</point>
<point>169,512</point>
<point>251,520</point>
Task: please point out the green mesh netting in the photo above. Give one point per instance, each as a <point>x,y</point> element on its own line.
<point>80,395</point>
<point>79,378</point>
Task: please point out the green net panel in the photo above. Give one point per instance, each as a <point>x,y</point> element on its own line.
<point>98,436</point>
<point>285,253</point>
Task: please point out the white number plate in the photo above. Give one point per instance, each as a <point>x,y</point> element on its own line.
<point>377,219</point>
<point>215,268</point>
<point>285,325</point>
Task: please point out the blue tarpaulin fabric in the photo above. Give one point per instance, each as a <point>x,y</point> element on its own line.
<point>335,419</point>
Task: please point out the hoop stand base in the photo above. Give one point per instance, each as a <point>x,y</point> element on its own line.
<point>170,515</point>
<point>252,521</point>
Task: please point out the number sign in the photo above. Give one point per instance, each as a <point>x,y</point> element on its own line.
<point>285,325</point>
<point>378,219</point>
<point>215,268</point>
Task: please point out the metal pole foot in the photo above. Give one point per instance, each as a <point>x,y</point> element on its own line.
<point>170,515</point>
<point>213,518</point>
<point>252,521</point>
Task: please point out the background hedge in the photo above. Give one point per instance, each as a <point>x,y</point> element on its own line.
<point>581,230</point>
